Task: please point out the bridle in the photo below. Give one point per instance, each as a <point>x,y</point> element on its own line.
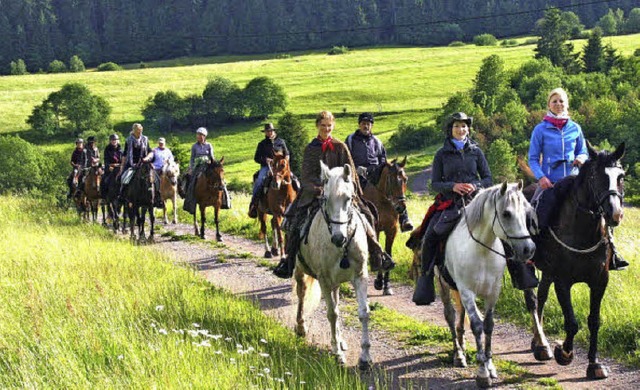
<point>395,201</point>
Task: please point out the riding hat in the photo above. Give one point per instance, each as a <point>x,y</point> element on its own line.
<point>201,130</point>
<point>459,117</point>
<point>91,139</point>
<point>365,116</point>
<point>79,141</point>
<point>113,136</point>
<point>268,126</point>
<point>161,140</point>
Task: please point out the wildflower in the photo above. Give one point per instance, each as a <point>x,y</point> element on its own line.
<point>260,374</point>
<point>252,368</point>
<point>160,308</point>
<point>264,355</point>
<point>288,373</point>
<point>215,336</point>
<point>205,343</point>
<point>250,349</point>
<point>153,325</point>
<point>195,325</point>
<point>228,339</point>
<point>302,382</point>
<point>266,370</point>
<point>238,346</point>
<point>163,331</point>
<point>218,352</point>
<point>263,341</point>
<point>279,380</point>
<point>232,360</point>
<point>120,357</point>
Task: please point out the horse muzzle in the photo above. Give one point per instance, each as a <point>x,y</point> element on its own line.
<point>524,249</point>
<point>338,239</point>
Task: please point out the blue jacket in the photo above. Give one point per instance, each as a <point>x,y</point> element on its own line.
<point>552,151</point>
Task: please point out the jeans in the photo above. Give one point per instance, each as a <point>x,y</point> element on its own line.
<point>262,175</point>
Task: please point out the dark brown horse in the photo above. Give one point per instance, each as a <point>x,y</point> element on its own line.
<point>208,191</point>
<point>140,198</point>
<point>574,250</point>
<point>388,195</point>
<point>92,194</point>
<point>275,202</point>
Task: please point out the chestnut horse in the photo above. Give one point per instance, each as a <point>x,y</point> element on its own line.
<point>169,189</point>
<point>208,191</point>
<point>388,195</point>
<point>279,196</point>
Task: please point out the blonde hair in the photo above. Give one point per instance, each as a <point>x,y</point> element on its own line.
<point>560,92</point>
<point>325,115</point>
<point>135,126</point>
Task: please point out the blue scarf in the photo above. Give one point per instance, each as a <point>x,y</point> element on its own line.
<point>458,144</point>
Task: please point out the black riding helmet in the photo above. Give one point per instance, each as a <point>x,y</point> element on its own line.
<point>91,139</point>
<point>457,117</point>
<point>113,136</point>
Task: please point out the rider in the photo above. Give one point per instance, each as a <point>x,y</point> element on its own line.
<point>93,154</point>
<point>459,170</point>
<point>112,159</point>
<point>369,157</point>
<point>335,154</point>
<point>265,150</point>
<point>136,152</point>
<point>201,155</point>
<point>558,149</point>
<point>78,161</point>
<point>161,155</point>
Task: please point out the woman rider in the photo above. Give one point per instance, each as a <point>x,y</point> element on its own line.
<point>558,149</point>
<point>334,153</point>
<point>201,155</point>
<point>112,159</point>
<point>136,152</point>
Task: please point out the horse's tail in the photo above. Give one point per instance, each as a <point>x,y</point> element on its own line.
<point>313,293</point>
<point>524,167</point>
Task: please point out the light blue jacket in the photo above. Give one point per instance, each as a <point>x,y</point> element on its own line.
<point>552,151</point>
<point>160,156</point>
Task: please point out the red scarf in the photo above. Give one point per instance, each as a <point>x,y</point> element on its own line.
<point>438,205</point>
<point>326,144</point>
<point>557,122</point>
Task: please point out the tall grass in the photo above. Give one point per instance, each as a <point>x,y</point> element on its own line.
<point>83,310</point>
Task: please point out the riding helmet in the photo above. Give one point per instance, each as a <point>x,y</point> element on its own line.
<point>79,141</point>
<point>91,139</point>
<point>202,130</point>
<point>365,116</point>
<point>113,136</point>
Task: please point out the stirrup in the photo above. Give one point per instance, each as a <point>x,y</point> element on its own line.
<point>282,270</point>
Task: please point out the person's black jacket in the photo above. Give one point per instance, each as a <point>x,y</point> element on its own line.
<point>266,149</point>
<point>366,151</point>
<point>451,166</point>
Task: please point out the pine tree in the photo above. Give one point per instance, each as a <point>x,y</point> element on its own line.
<point>593,54</point>
<point>489,83</point>
<point>552,43</point>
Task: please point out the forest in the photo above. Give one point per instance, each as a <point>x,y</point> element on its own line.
<point>41,31</point>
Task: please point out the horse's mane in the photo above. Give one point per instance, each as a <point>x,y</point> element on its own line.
<point>475,208</point>
<point>605,159</point>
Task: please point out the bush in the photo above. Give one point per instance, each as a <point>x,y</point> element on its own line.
<point>530,41</point>
<point>502,161</point>
<point>165,110</point>
<point>509,42</point>
<point>338,50</point>
<point>263,97</point>
<point>485,40</point>
<point>57,66</point>
<point>18,67</point>
<point>414,136</point>
<point>76,65</point>
<point>222,100</point>
<point>456,44</point>
<point>22,165</point>
<point>291,130</point>
<point>108,67</point>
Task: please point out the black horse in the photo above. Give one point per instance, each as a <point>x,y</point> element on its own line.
<point>141,197</point>
<point>575,249</point>
<point>111,196</point>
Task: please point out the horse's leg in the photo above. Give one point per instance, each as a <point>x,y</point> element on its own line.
<point>459,359</point>
<point>278,234</point>
<point>274,229</point>
<point>152,221</point>
<point>332,316</point>
<point>203,220</point>
<point>301,291</point>
<point>217,221</point>
<point>174,202</point>
<point>564,355</point>
<point>460,325</point>
<point>104,216</point>
<point>360,286</point>
<point>165,220</point>
<point>539,344</point>
<point>132,221</point>
<point>142,214</point>
<point>390,235</point>
<point>488,332</point>
<point>262,234</point>
<point>483,377</point>
<point>595,370</point>
<point>195,223</point>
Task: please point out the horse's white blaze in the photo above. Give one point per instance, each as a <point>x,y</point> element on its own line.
<point>614,174</point>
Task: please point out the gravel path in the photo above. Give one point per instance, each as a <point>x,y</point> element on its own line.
<point>404,366</point>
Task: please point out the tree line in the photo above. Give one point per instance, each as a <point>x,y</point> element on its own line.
<point>41,31</point>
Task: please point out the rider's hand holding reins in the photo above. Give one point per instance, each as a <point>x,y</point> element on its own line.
<point>463,188</point>
<point>545,183</point>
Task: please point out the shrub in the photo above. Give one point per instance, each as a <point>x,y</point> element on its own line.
<point>108,66</point>
<point>165,110</point>
<point>485,40</point>
<point>530,41</point>
<point>456,44</point>
<point>502,161</point>
<point>22,165</point>
<point>291,130</point>
<point>509,42</point>
<point>414,136</point>
<point>76,64</point>
<point>57,66</point>
<point>18,67</point>
<point>222,100</point>
<point>263,97</point>
<point>338,50</point>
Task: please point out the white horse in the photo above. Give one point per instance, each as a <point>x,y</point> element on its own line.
<point>336,252</point>
<point>474,259</point>
<point>169,188</point>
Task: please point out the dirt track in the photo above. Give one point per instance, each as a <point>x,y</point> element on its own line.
<point>405,366</point>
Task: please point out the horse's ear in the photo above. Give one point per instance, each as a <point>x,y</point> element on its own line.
<point>392,161</point>
<point>593,154</point>
<point>221,160</point>
<point>347,173</point>
<point>324,172</point>
<point>619,152</point>
<point>503,189</point>
<point>403,163</point>
<point>520,185</point>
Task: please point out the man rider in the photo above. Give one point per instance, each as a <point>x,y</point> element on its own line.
<point>369,157</point>
<point>264,151</point>
<point>78,161</point>
<point>161,155</point>
<point>112,159</point>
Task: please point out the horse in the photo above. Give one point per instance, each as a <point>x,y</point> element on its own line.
<point>140,198</point>
<point>336,252</point>
<point>575,250</point>
<point>208,191</point>
<point>169,188</point>
<point>113,200</point>
<point>278,197</point>
<point>388,195</point>
<point>92,193</point>
<point>475,262</point>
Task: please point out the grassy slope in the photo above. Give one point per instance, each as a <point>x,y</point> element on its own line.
<point>83,310</point>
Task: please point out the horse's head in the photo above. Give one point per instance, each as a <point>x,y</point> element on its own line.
<point>171,170</point>
<point>601,184</point>
<point>337,209</point>
<point>393,183</point>
<point>215,173</point>
<point>94,177</point>
<point>279,169</point>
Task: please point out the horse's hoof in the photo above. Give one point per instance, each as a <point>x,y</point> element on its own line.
<point>542,353</point>
<point>275,252</point>
<point>597,371</point>
<point>377,284</point>
<point>219,238</point>
<point>341,359</point>
<point>387,291</point>
<point>364,365</point>
<point>267,255</point>
<point>301,331</point>
<point>460,361</point>
<point>562,358</point>
<point>483,383</point>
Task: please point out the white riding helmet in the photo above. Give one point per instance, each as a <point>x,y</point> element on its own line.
<point>202,130</point>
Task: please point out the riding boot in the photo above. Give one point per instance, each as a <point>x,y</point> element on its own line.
<point>617,262</point>
<point>425,292</point>
<point>253,209</point>
<point>405,223</point>
<point>523,275</point>
<point>284,269</point>
<point>379,259</point>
